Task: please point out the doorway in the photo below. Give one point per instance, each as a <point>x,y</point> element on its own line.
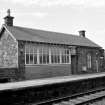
<point>73,64</point>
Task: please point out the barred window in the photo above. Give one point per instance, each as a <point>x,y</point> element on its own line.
<point>46,55</point>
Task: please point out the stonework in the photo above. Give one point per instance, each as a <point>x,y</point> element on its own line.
<point>21,61</point>
<point>82,60</point>
<point>8,51</point>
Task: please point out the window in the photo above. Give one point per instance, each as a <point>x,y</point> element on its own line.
<point>46,55</point>
<point>89,61</point>
<point>35,55</point>
<point>30,55</point>
<point>27,58</point>
<point>55,55</point>
<point>27,55</point>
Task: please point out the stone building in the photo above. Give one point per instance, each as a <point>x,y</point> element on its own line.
<point>27,53</point>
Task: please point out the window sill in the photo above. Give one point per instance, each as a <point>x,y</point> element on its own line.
<point>27,65</point>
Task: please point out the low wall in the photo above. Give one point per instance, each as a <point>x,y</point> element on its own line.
<point>46,71</point>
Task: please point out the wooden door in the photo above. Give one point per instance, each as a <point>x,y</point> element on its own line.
<point>73,64</point>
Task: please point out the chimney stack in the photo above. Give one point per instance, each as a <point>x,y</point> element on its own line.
<point>8,19</point>
<point>82,33</point>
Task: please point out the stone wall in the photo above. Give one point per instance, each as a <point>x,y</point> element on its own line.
<point>82,60</point>
<point>21,61</point>
<point>8,51</point>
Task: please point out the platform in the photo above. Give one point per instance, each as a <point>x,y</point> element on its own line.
<point>48,81</point>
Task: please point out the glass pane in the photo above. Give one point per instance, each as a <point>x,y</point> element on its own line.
<point>55,59</point>
<point>40,55</point>
<point>31,58</point>
<point>47,58</point>
<point>52,51</point>
<point>41,59</point>
<point>47,50</point>
<point>52,59</point>
<point>27,50</point>
<point>35,58</point>
<point>67,60</point>
<point>44,50</point>
<point>31,49</point>
<point>89,61</point>
<point>27,58</point>
<point>63,58</point>
<point>58,59</point>
<point>35,50</point>
<point>67,51</point>
<point>44,59</point>
<point>40,49</point>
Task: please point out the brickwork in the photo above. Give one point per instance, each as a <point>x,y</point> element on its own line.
<point>82,60</point>
<point>8,73</point>
<point>47,71</point>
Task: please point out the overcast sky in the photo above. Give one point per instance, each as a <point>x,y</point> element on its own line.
<point>67,16</point>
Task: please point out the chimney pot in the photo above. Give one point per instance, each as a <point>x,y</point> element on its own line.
<point>82,33</point>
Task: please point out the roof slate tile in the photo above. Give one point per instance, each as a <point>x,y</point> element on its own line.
<point>36,35</point>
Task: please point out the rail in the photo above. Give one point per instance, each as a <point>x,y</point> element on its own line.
<point>79,99</point>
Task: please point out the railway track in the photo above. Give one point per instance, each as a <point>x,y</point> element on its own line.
<point>93,97</point>
<point>74,89</point>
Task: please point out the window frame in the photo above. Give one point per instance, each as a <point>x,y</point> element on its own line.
<point>48,54</point>
<point>89,61</point>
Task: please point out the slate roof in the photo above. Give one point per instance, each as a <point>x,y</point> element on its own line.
<point>36,35</point>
